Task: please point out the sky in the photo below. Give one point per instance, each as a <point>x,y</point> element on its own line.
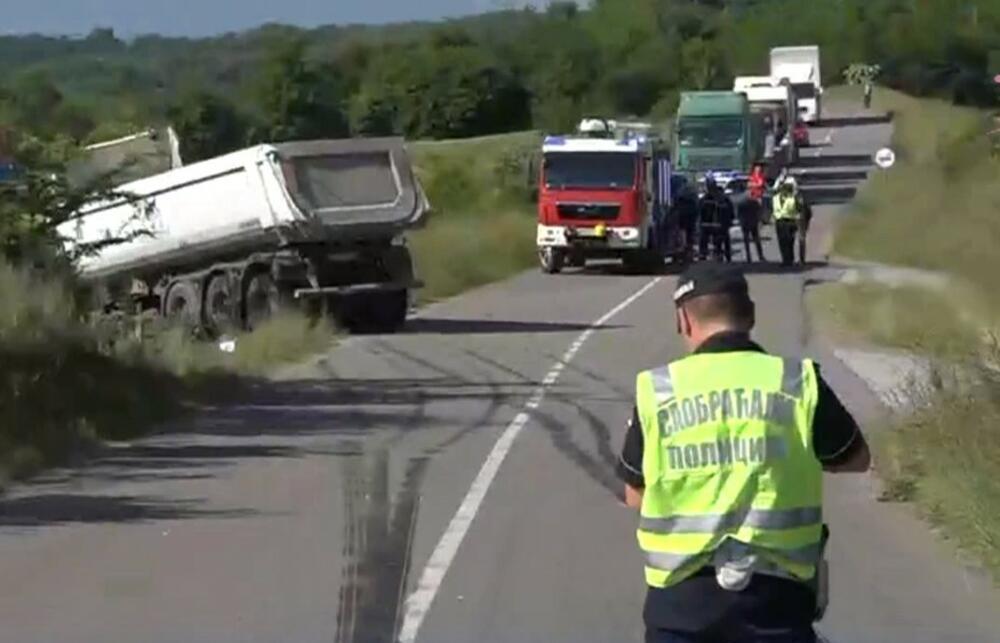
<point>209,17</point>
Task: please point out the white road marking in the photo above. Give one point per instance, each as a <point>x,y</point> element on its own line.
<point>828,140</point>
<point>419,602</point>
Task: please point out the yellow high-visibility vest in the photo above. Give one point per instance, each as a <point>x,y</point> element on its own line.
<point>729,456</point>
<point>786,207</point>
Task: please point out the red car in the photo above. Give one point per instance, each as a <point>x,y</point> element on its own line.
<point>801,134</point>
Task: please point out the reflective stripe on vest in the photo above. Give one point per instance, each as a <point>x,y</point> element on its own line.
<point>786,207</point>
<point>734,461</point>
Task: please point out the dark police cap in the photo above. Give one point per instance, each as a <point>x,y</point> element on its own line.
<point>710,279</point>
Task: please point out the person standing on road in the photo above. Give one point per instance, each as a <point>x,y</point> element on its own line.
<point>757,184</point>
<point>715,217</point>
<point>750,213</point>
<point>685,211</point>
<point>724,456</point>
<point>788,215</point>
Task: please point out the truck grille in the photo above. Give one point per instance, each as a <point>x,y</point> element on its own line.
<point>710,162</point>
<point>588,211</point>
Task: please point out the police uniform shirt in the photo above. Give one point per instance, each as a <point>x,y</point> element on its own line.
<point>698,603</point>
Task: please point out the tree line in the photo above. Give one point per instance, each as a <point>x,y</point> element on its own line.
<point>498,72</point>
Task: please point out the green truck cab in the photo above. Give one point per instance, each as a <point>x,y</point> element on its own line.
<point>717,131</point>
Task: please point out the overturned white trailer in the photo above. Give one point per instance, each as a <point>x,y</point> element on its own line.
<point>226,241</point>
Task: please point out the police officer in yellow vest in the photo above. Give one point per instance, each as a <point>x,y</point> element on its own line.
<point>790,220</point>
<point>724,456</point>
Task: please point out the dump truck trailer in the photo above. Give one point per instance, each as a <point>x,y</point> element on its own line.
<point>228,241</point>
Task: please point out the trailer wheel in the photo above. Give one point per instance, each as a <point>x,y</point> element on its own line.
<point>218,306</point>
<point>182,304</point>
<point>261,300</point>
<point>551,259</point>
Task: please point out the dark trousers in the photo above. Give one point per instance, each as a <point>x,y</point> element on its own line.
<point>779,636</point>
<point>752,233</point>
<point>722,243</point>
<point>787,231</point>
<point>750,225</point>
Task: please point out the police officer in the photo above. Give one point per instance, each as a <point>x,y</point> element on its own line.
<point>789,221</point>
<point>724,454</point>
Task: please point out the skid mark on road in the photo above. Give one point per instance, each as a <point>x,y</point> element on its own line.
<point>377,541</point>
<point>419,602</point>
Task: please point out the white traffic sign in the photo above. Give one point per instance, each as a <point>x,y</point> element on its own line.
<point>885,158</point>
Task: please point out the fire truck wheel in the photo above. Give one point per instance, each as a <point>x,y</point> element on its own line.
<point>551,259</point>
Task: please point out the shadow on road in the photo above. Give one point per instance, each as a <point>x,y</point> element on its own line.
<point>775,267</point>
<point>829,195</point>
<point>69,508</point>
<point>431,326</point>
<point>836,176</point>
<point>857,121</point>
<point>836,160</point>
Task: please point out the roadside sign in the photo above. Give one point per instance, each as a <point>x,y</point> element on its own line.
<point>885,158</point>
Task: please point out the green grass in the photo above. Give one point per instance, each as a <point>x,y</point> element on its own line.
<point>908,318</point>
<point>65,385</point>
<point>483,225</point>
<point>58,391</point>
<point>936,209</point>
<point>945,457</point>
<point>286,338</point>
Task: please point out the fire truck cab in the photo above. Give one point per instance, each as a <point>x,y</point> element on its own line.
<point>604,195</point>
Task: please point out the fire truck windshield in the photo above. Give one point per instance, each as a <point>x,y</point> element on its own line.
<point>608,170</point>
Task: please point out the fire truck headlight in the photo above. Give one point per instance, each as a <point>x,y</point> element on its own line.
<point>628,234</point>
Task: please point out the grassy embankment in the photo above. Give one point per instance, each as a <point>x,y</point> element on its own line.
<point>63,386</point>
<point>936,209</point>
<point>483,225</point>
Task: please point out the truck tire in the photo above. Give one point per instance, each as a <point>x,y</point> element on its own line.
<point>219,312</point>
<point>382,312</point>
<point>387,311</point>
<point>551,259</point>
<point>182,305</point>
<point>261,300</point>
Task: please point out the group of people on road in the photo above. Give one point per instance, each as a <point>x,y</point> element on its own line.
<point>710,218</point>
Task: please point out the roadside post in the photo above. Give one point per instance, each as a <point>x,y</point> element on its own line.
<point>885,158</point>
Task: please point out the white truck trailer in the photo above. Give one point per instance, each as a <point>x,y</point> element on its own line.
<point>801,67</point>
<point>777,100</point>
<point>225,242</point>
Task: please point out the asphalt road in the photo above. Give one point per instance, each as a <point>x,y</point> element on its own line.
<point>449,484</point>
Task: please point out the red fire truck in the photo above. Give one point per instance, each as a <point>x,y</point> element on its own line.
<point>605,197</point>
